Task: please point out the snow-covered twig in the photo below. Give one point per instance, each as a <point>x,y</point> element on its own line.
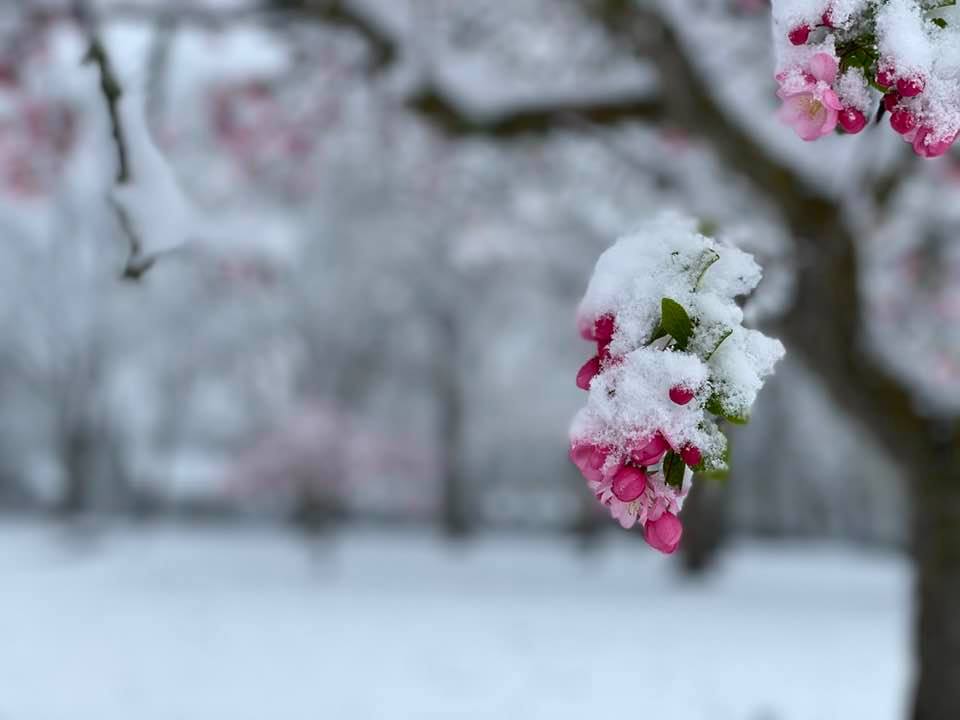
<point>112,91</point>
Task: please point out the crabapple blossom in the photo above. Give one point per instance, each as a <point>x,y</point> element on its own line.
<point>800,34</point>
<point>903,121</point>
<point>675,361</point>
<point>839,63</point>
<point>810,104</point>
<point>851,120</point>
<point>664,533</point>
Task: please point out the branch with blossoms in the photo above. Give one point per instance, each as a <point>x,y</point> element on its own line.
<point>673,363</point>
<point>842,63</point>
<point>828,318</point>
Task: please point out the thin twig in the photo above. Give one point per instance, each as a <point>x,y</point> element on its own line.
<point>112,91</point>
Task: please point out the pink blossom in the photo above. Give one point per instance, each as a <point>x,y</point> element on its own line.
<point>655,500</point>
<point>885,76</point>
<point>681,395</point>
<point>911,86</point>
<point>649,450</point>
<point>852,120</point>
<point>590,459</point>
<point>626,514</point>
<point>664,533</point>
<point>629,483</point>
<point>799,35</point>
<point>691,455</point>
<point>926,146</point>
<point>600,329</point>
<point>903,121</point>
<point>810,105</point>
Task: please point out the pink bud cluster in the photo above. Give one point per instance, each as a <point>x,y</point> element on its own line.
<point>629,480</point>
<point>902,102</point>
<point>814,103</point>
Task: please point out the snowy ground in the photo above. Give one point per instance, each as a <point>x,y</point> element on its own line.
<point>186,624</point>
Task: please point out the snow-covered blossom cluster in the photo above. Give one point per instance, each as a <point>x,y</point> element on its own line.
<point>840,62</point>
<point>673,361</point>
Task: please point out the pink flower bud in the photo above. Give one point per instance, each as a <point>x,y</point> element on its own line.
<point>827,18</point>
<point>603,328</point>
<point>903,121</point>
<point>891,100</point>
<point>910,86</point>
<point>649,451</point>
<point>603,350</point>
<point>582,455</point>
<point>599,329</point>
<point>664,533</point>
<point>924,147</point>
<point>851,120</point>
<point>799,35</point>
<point>885,76</point>
<point>681,395</point>
<point>598,458</point>
<point>629,483</point>
<point>588,372</point>
<point>691,455</point>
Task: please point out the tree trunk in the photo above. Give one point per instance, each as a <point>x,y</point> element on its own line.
<point>77,451</point>
<point>937,546</point>
<point>704,525</point>
<point>449,393</point>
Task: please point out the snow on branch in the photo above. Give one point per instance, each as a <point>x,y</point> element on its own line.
<point>110,88</point>
<point>151,209</point>
<point>842,62</point>
<point>673,363</point>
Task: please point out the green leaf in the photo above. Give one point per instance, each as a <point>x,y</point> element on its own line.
<point>715,468</point>
<point>939,22</point>
<point>728,333</point>
<point>675,321</point>
<point>706,262</point>
<point>673,469</point>
<point>657,334</point>
<point>716,406</point>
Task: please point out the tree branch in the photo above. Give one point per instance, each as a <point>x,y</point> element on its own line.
<point>825,324</point>
<point>336,13</point>
<point>442,111</point>
<point>111,90</point>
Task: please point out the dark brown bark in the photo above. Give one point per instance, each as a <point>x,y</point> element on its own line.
<point>937,540</point>
<point>704,525</point>
<point>77,455</point>
<point>454,515</point>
